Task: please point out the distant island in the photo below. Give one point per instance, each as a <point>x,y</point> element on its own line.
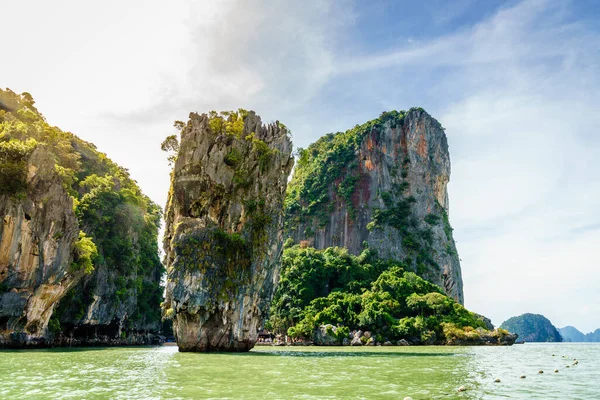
<point>572,334</point>
<point>532,328</point>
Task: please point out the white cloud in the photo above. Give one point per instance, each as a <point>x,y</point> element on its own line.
<point>525,168</point>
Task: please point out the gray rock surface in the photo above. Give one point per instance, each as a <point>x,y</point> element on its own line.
<point>325,335</point>
<point>356,341</point>
<point>488,322</point>
<point>224,232</point>
<point>37,234</point>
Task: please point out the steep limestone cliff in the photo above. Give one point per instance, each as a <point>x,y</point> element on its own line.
<point>119,302</point>
<point>224,229</point>
<point>381,185</point>
<point>37,237</point>
<point>74,200</point>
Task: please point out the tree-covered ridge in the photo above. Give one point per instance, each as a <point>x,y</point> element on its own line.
<point>331,286</point>
<point>119,223</point>
<point>572,334</point>
<point>532,328</point>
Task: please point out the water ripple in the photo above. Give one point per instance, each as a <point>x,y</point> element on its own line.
<point>304,373</point>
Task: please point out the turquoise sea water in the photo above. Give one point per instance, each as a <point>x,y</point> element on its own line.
<point>304,373</point>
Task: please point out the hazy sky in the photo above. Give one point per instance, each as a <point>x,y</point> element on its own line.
<point>515,83</point>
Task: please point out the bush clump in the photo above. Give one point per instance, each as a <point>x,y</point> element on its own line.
<point>84,253</point>
<point>319,287</point>
<point>13,164</point>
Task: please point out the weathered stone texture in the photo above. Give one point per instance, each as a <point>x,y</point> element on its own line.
<point>415,154</point>
<point>36,239</point>
<point>223,237</point>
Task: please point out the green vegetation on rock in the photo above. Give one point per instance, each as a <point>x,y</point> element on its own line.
<point>327,176</point>
<point>228,122</point>
<point>84,253</point>
<point>13,161</point>
<point>323,163</point>
<point>222,258</point>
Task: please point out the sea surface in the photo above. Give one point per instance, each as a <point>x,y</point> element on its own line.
<point>304,373</point>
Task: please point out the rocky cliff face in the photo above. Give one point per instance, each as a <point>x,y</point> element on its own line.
<point>224,220</point>
<point>37,236</point>
<point>78,243</point>
<point>119,301</point>
<point>381,185</point>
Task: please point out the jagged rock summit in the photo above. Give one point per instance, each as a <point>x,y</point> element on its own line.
<point>224,229</point>
<point>382,186</point>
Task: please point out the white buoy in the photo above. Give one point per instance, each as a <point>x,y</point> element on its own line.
<point>408,398</point>
<point>462,389</point>
<point>540,372</point>
<point>555,370</point>
<point>497,380</point>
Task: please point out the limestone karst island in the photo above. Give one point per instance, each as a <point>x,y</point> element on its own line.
<point>325,199</point>
<point>356,249</point>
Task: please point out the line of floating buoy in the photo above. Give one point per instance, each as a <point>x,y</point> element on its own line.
<point>497,380</point>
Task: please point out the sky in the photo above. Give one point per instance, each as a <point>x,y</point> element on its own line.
<point>516,84</point>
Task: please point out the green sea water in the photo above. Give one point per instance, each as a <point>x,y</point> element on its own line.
<point>304,373</point>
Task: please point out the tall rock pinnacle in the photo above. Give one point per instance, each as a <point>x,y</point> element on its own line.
<point>224,229</point>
